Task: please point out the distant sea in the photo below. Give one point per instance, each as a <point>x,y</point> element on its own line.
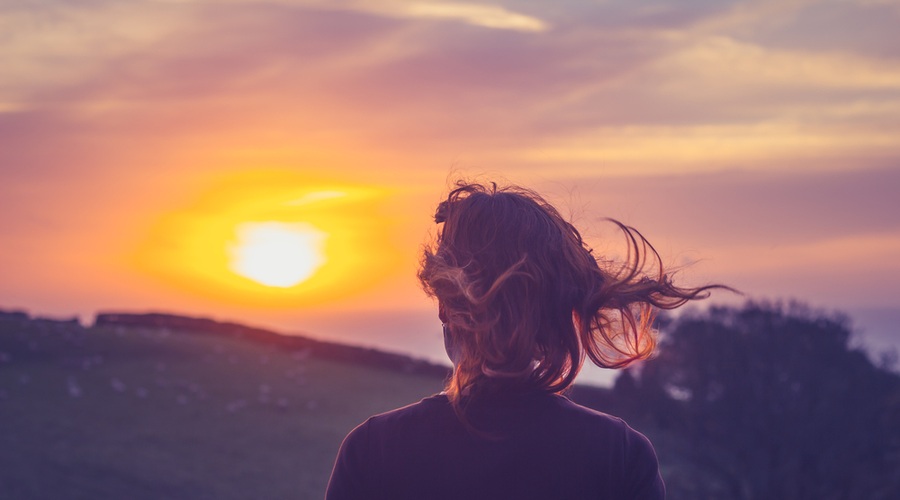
<point>877,329</point>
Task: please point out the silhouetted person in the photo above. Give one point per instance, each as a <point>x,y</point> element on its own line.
<point>522,300</point>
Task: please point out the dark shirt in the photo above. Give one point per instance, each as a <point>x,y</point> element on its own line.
<point>538,445</point>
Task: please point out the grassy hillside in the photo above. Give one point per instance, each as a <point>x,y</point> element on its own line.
<point>164,407</point>
<point>138,413</point>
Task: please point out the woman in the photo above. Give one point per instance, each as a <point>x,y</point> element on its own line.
<point>523,300</point>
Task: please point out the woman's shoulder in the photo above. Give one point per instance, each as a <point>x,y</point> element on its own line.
<point>623,444</point>
<point>559,407</point>
<point>431,404</point>
<point>431,407</point>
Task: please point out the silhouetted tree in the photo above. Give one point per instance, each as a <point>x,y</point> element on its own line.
<point>769,402</point>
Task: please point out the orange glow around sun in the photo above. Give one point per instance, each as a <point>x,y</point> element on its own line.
<point>273,239</point>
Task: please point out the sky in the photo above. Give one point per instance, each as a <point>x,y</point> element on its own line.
<point>144,143</point>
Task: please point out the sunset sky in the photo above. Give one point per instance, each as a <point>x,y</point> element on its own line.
<point>145,143</point>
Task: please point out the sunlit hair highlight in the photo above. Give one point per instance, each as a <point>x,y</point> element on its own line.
<point>524,299</point>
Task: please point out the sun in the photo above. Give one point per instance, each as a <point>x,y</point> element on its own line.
<point>276,240</point>
<point>277,254</point>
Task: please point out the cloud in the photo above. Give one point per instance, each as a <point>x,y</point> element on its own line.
<point>733,64</point>
<point>476,14</point>
<point>751,207</point>
<point>863,28</point>
<point>844,272</point>
<point>489,16</point>
<point>614,88</point>
<point>53,45</point>
<point>747,16</point>
<point>826,237</point>
<point>658,150</point>
<point>266,80</point>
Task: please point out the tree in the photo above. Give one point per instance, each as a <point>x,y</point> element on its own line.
<point>770,401</point>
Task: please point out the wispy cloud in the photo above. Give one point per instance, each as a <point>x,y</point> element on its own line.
<point>490,16</point>
<point>477,14</point>
<point>48,46</point>
<point>645,151</point>
<point>732,64</point>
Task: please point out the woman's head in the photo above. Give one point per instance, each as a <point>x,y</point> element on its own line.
<point>523,299</point>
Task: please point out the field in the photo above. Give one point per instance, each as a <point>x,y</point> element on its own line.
<point>166,407</point>
<point>137,413</point>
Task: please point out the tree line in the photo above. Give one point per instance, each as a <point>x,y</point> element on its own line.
<point>766,401</point>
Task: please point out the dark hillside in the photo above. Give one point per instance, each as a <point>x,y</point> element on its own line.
<point>318,348</point>
<point>184,409</point>
<point>764,401</point>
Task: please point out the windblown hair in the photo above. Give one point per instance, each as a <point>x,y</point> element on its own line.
<point>524,299</point>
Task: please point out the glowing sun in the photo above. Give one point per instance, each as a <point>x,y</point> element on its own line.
<point>277,254</point>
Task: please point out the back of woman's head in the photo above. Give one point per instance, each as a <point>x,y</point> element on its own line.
<point>523,299</point>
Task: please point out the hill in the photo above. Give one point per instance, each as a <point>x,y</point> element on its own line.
<point>160,406</point>
<point>763,401</point>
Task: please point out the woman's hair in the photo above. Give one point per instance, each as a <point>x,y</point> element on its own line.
<point>524,299</point>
